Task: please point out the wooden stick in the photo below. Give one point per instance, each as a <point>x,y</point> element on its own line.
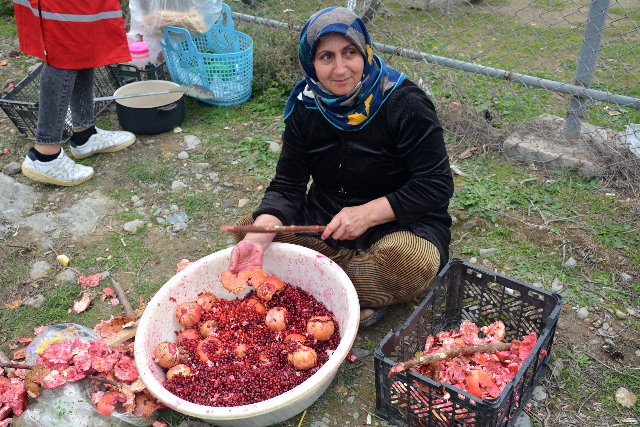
<point>273,228</point>
<point>122,336</point>
<point>124,300</point>
<point>90,377</point>
<point>447,354</point>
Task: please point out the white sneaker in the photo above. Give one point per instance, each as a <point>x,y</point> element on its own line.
<point>60,171</point>
<point>104,141</point>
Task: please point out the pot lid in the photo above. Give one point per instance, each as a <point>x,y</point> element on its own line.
<point>147,86</point>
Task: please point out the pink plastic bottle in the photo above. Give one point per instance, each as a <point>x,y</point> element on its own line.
<point>139,54</point>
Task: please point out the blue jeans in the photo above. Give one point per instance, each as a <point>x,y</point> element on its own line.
<point>59,90</point>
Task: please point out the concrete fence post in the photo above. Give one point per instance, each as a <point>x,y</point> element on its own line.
<point>586,66</point>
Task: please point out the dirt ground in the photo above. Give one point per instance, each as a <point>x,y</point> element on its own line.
<point>350,399</point>
<point>355,381</point>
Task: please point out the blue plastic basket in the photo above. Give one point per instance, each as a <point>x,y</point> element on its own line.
<point>220,59</point>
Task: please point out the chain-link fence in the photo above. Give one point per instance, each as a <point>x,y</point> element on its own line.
<point>555,82</point>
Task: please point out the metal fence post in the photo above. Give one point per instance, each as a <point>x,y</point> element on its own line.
<point>586,65</point>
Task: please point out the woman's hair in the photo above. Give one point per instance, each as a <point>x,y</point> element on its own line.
<point>354,110</point>
<point>329,35</point>
<point>336,20</point>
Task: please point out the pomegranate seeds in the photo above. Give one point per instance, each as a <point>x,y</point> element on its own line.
<point>242,361</point>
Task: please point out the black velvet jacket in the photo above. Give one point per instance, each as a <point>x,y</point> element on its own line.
<point>400,154</point>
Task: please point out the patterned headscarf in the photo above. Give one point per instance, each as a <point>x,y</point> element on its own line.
<point>353,110</point>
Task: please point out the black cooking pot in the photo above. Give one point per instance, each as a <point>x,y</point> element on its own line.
<point>150,114</point>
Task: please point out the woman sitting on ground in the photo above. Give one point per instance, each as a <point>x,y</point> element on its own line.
<point>372,144</point>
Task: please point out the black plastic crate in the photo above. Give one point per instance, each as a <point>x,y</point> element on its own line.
<point>127,73</point>
<point>465,291</point>
<point>21,104</point>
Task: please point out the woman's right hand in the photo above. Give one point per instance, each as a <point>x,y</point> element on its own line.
<point>249,252</point>
<point>247,255</point>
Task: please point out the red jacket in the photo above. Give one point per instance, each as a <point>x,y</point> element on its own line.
<point>72,34</point>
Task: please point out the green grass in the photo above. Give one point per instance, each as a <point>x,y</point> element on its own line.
<point>147,170</point>
<point>496,192</point>
<point>500,37</point>
<point>195,205</point>
<point>553,4</point>
<point>23,319</point>
<point>127,253</point>
<point>120,193</point>
<point>578,373</point>
<point>8,28</point>
<point>258,161</point>
<point>493,188</point>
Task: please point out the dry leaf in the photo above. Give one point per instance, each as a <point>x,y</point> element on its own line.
<point>110,327</point>
<point>20,354</point>
<point>625,397</point>
<point>468,153</point>
<point>612,112</point>
<point>141,306</point>
<point>14,304</point>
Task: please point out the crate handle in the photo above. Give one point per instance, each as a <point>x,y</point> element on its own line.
<point>192,49</point>
<point>228,20</point>
<point>182,32</point>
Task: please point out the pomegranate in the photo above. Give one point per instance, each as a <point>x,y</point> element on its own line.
<point>256,305</point>
<point>241,350</point>
<point>181,369</point>
<point>303,358</point>
<point>270,287</point>
<point>295,337</point>
<point>321,327</point>
<point>166,354</point>
<point>276,319</point>
<point>107,403</point>
<point>206,300</point>
<point>188,334</point>
<point>189,313</point>
<point>145,405</point>
<point>209,345</point>
<point>208,327</point>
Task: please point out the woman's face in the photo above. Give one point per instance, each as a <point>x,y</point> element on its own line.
<point>338,64</point>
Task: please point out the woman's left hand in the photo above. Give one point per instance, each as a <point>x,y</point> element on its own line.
<point>351,222</point>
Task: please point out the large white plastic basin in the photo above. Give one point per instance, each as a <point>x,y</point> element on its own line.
<point>296,265</point>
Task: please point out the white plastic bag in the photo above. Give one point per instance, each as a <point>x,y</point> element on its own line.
<point>58,333</point>
<point>149,17</point>
<point>633,138</point>
<point>70,405</point>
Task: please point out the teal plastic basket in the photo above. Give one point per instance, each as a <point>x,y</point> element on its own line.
<point>220,59</point>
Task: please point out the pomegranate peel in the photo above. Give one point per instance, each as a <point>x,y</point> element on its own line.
<point>232,282</point>
<point>107,403</point>
<point>270,287</point>
<point>266,285</point>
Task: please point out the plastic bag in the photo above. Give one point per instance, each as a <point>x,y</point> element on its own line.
<point>57,333</point>
<point>633,138</point>
<point>70,405</point>
<point>149,17</point>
